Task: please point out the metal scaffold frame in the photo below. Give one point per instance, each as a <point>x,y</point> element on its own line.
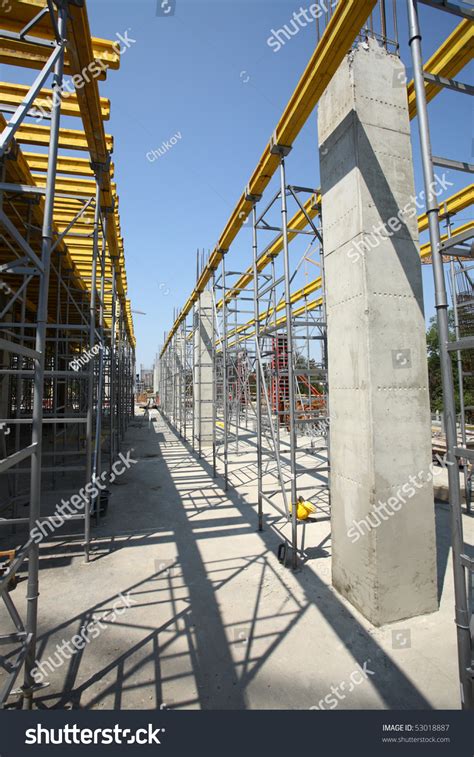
<point>463,565</point>
<point>243,360</point>
<point>67,342</point>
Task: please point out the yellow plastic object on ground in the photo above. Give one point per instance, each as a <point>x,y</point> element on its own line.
<point>304,509</point>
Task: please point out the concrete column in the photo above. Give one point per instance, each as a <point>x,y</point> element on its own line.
<point>180,380</point>
<point>156,374</point>
<point>383,537</point>
<point>204,369</point>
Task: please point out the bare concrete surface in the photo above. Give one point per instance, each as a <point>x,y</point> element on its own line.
<point>378,377</point>
<point>214,620</point>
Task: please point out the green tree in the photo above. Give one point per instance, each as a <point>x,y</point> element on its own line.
<point>434,370</point>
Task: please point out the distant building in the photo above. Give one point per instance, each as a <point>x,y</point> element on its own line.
<point>145,380</point>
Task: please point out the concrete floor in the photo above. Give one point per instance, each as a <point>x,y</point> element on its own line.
<point>216,621</point>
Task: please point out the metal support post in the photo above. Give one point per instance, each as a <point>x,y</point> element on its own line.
<point>258,377</point>
<point>225,389</point>
<point>283,151</point>
<point>441,304</point>
<point>42,319</point>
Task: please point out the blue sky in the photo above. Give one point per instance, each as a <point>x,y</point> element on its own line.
<point>208,74</point>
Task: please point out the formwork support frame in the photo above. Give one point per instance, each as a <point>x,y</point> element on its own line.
<point>461,566</point>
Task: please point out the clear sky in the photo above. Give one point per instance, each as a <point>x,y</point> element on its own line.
<point>207,74</point>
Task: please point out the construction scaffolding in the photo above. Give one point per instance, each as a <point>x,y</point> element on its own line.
<point>67,339</point>
<point>453,245</point>
<point>271,409</point>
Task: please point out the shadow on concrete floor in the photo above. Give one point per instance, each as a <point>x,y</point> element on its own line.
<point>190,585</point>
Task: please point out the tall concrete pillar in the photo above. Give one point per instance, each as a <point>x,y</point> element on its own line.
<point>204,369</point>
<point>156,374</point>
<point>384,551</point>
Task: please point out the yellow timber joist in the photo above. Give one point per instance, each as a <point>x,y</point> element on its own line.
<point>297,223</point>
<point>14,94</point>
<point>425,250</point>
<point>454,204</point>
<point>453,55</point>
<point>76,186</point>
<point>19,172</point>
<point>27,55</point>
<point>84,55</point>
<point>69,139</point>
<point>242,333</point>
<point>38,162</point>
<point>343,27</point>
<point>447,61</point>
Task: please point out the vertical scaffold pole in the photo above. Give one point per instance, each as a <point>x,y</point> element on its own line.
<point>214,375</point>
<point>325,356</point>
<point>457,334</point>
<point>258,377</point>
<point>97,465</point>
<point>112,394</point>
<point>225,390</point>
<point>441,304</point>
<point>90,386</point>
<point>42,318</point>
<point>291,381</point>
<point>184,364</point>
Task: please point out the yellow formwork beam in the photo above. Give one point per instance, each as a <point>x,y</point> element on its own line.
<point>425,250</point>
<point>300,294</point>
<point>38,162</point>
<point>28,55</point>
<point>14,94</point>
<point>462,199</point>
<point>454,204</point>
<point>341,31</point>
<point>85,187</point>
<point>453,55</point>
<point>19,172</point>
<point>297,223</point>
<point>81,52</point>
<point>86,244</point>
<point>69,139</point>
<point>306,308</point>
